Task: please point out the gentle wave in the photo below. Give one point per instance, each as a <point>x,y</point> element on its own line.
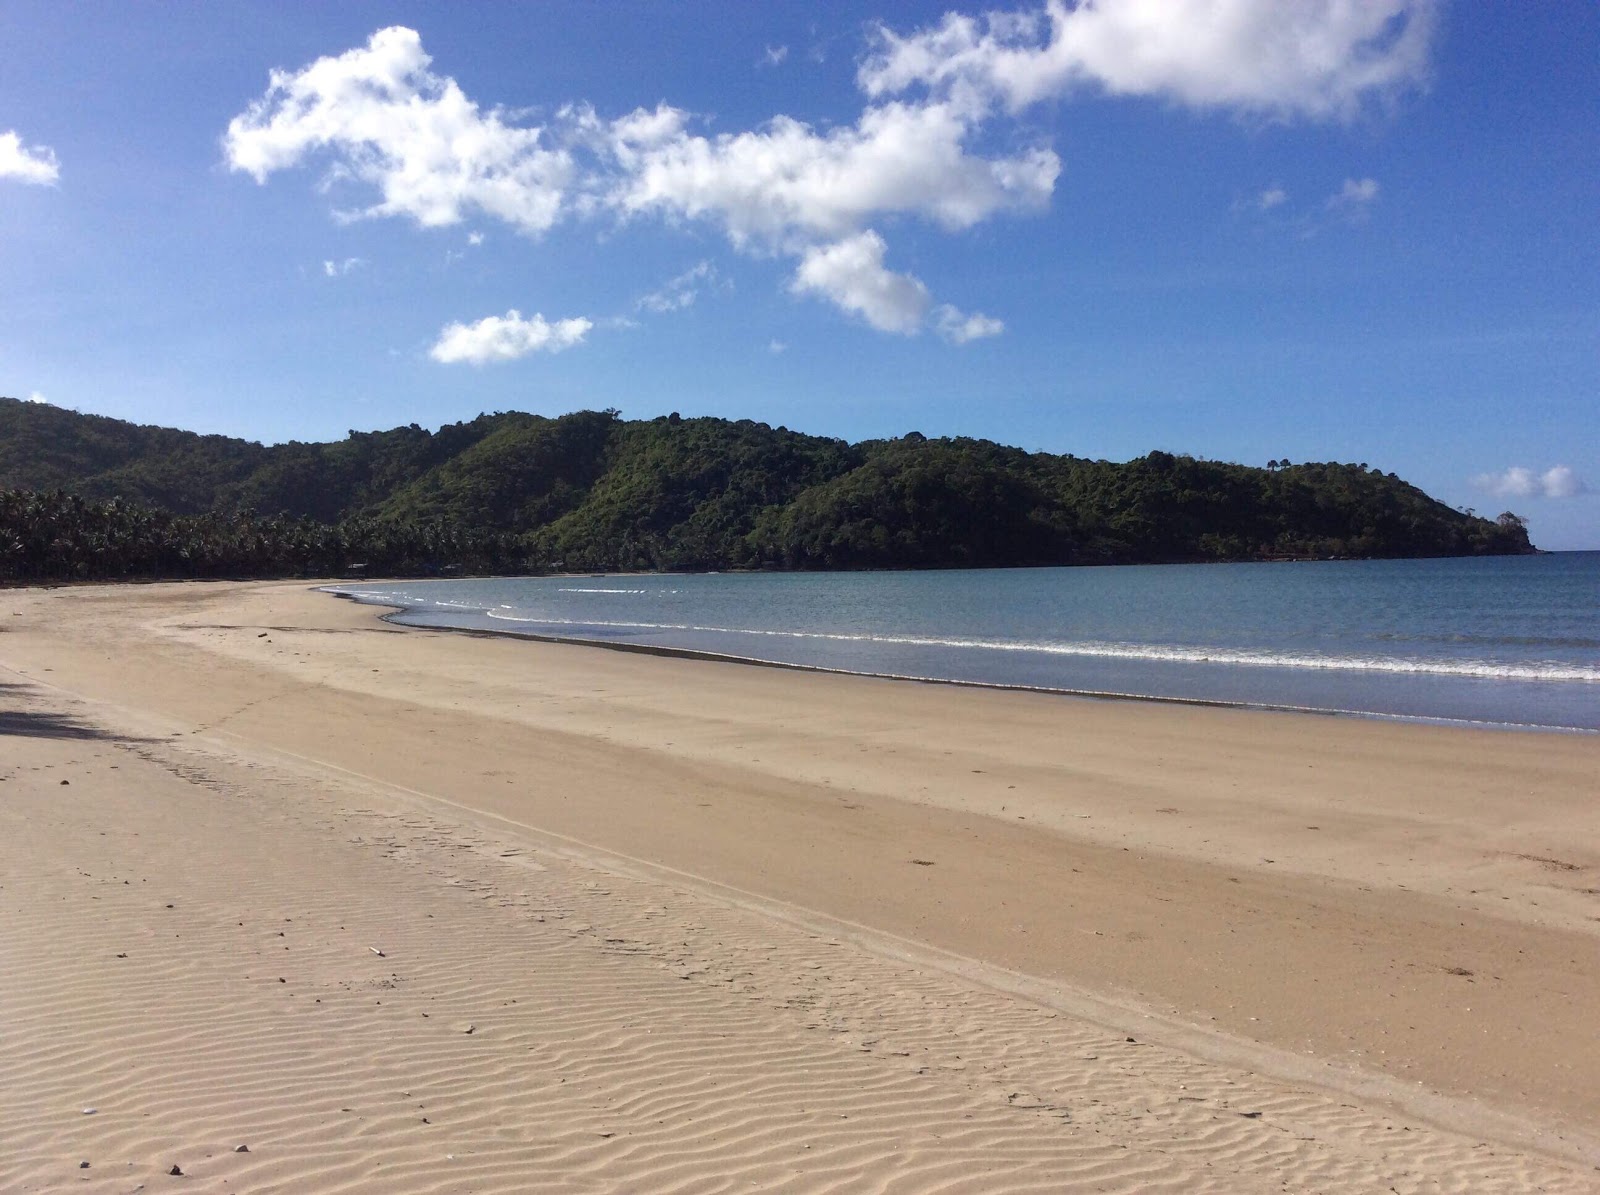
<point>1571,641</point>
<point>1481,669</point>
<point>404,601</point>
<point>601,591</point>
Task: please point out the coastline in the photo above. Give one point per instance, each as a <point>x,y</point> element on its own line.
<point>1239,640</point>
<point>398,612</point>
<point>1129,857</point>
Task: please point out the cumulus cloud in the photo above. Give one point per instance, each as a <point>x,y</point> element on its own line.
<point>1515,482</point>
<point>786,183</point>
<point>506,337</point>
<point>381,118</point>
<point>385,120</point>
<point>29,164</point>
<point>1278,58</point>
<point>682,291</point>
<point>408,142</point>
<point>957,327</point>
<point>851,274</point>
<point>1558,481</point>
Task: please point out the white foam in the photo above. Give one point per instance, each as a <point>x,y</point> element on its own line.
<point>1482,669</point>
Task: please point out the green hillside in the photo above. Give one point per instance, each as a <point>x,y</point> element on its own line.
<point>592,491</point>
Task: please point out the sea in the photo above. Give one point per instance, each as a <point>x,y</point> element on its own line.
<point>1510,641</point>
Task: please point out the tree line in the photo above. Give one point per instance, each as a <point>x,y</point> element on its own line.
<point>89,497</point>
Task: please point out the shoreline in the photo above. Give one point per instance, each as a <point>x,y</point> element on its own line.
<point>1401,912</point>
<point>399,612</point>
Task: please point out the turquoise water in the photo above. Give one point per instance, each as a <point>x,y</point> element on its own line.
<point>1509,640</point>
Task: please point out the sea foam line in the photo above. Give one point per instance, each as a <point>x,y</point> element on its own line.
<point>1126,651</point>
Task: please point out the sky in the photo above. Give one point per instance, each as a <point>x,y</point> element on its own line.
<point>1248,230</point>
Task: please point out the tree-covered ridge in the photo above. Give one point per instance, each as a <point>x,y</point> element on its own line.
<point>592,491</point>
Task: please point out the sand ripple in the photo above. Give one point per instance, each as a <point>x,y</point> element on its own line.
<point>192,949</point>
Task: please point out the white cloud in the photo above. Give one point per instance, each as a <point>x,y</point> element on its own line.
<point>786,183</point>
<point>1354,195</point>
<point>787,188</point>
<point>37,397</point>
<point>337,269</point>
<point>1515,482</point>
<point>1279,58</point>
<point>474,239</point>
<point>506,337</point>
<point>957,327</point>
<point>381,118</point>
<point>1558,481</point>
<point>29,164</point>
<point>389,122</point>
<point>411,143</point>
<point>851,274</point>
<point>776,346</point>
<point>682,291</point>
<point>773,56</point>
<point>1270,198</point>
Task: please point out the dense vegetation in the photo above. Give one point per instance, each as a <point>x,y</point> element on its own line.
<point>86,496</point>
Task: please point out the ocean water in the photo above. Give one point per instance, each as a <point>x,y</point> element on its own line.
<point>1507,641</point>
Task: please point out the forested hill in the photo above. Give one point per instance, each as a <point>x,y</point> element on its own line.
<point>592,491</point>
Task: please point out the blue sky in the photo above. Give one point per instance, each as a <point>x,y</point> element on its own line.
<point>1243,229</point>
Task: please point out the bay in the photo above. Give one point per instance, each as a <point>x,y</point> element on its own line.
<point>1506,641</point>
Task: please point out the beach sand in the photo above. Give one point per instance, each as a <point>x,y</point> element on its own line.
<point>409,910</point>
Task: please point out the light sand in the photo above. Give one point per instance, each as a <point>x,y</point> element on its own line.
<point>719,927</point>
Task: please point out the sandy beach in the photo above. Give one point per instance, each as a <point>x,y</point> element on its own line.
<point>406,910</point>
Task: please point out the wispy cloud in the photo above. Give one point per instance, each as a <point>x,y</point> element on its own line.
<point>1270,198</point>
<point>682,291</point>
<point>506,338</point>
<point>338,269</point>
<point>1354,198</point>
<point>29,164</point>
<point>773,56</point>
<point>1558,481</point>
<point>1355,192</point>
<point>957,327</point>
